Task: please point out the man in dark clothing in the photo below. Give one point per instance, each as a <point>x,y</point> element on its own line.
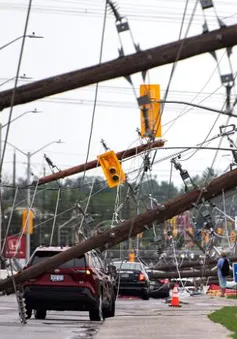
<point>222,278</point>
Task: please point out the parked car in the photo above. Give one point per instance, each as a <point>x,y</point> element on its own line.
<point>80,284</point>
<point>132,279</point>
<point>159,289</point>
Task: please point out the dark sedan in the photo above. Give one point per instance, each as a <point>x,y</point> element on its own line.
<point>132,279</point>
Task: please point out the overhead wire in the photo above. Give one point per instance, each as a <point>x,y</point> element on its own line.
<point>97,87</point>
<point>178,55</point>
<point>142,13</point>
<point>174,65</point>
<point>185,110</point>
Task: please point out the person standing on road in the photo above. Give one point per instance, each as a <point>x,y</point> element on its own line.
<point>223,270</point>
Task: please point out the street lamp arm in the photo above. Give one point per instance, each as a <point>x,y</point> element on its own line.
<point>18,149</point>
<point>8,80</point>
<point>43,147</point>
<point>13,78</point>
<point>21,115</point>
<point>20,37</point>
<point>11,42</point>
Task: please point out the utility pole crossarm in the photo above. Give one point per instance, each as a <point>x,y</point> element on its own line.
<point>123,66</point>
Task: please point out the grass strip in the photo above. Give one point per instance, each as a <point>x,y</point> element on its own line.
<point>227,316</point>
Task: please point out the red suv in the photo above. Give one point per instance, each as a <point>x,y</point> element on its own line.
<point>81,284</point>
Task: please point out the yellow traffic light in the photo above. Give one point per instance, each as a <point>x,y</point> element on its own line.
<point>30,220</point>
<point>173,222</point>
<point>205,237</point>
<point>219,231</point>
<point>150,112</point>
<point>131,256</point>
<point>112,168</point>
<point>175,232</point>
<point>232,236</point>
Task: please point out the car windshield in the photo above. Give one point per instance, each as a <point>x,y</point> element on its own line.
<point>41,256</point>
<point>128,265</point>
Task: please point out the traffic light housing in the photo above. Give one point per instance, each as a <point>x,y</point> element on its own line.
<point>30,220</point>
<point>112,168</point>
<point>232,237</point>
<point>131,256</point>
<point>219,231</point>
<point>205,236</point>
<point>175,232</point>
<point>150,111</point>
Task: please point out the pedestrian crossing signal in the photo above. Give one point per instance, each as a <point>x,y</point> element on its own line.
<point>150,111</point>
<point>112,168</point>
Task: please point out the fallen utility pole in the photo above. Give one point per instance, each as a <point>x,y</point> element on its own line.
<point>130,228</point>
<point>122,67</point>
<point>184,274</point>
<point>94,163</point>
<point>193,264</point>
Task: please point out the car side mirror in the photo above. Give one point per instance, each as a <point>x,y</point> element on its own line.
<point>112,270</point>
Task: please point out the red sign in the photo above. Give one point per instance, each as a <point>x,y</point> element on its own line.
<point>15,247</point>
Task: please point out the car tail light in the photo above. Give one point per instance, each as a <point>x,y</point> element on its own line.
<point>141,277</point>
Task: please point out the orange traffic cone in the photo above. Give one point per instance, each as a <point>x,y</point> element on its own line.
<point>175,297</point>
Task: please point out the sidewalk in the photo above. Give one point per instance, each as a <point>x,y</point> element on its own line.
<point>190,321</point>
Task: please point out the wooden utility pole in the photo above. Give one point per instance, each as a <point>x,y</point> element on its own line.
<point>93,164</point>
<point>185,274</point>
<point>128,228</point>
<point>194,264</point>
<point>124,66</point>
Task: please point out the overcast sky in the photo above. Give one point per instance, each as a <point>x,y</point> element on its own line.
<point>72,37</point>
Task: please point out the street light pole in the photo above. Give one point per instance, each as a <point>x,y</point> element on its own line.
<point>29,155</point>
<point>28,198</point>
<point>28,209</point>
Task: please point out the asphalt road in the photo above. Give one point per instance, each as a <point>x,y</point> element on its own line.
<point>60,325</point>
<point>149,318</point>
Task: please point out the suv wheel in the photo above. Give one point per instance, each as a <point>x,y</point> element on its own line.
<point>110,311</point>
<point>145,295</point>
<point>40,313</point>
<point>96,314</point>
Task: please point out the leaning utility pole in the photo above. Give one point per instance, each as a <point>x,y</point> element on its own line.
<point>130,228</point>
<point>94,163</point>
<point>123,66</point>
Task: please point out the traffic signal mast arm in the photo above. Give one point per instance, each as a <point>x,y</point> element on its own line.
<point>122,67</point>
<point>94,163</point>
<point>119,233</point>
